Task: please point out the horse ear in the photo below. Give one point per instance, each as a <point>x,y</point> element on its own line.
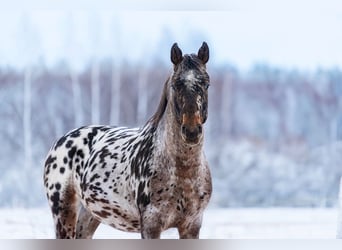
<point>176,54</point>
<point>203,53</point>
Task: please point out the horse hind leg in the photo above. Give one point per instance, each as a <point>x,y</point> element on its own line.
<point>86,224</point>
<point>65,206</point>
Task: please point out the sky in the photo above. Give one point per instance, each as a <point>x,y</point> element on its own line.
<point>307,37</point>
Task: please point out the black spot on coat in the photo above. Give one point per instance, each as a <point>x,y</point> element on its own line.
<point>60,142</point>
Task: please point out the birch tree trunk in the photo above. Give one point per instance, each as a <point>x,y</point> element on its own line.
<point>95,93</point>
<point>115,109</point>
<point>291,107</point>
<point>142,96</point>
<point>227,108</point>
<point>115,95</point>
<point>27,118</point>
<point>77,99</point>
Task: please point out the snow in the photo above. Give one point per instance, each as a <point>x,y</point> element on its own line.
<point>339,223</point>
<point>245,223</point>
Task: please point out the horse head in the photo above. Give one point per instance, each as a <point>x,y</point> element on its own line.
<point>189,92</point>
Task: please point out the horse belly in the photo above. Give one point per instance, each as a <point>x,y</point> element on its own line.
<point>109,197</point>
<point>116,212</point>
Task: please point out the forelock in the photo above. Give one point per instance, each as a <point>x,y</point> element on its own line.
<point>191,62</point>
<point>191,68</point>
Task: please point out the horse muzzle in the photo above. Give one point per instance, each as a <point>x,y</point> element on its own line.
<point>192,134</point>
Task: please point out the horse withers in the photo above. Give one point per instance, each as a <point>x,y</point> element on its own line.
<point>144,179</point>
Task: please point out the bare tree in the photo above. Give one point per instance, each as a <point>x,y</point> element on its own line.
<point>29,51</point>
<point>27,117</point>
<point>94,34</point>
<point>116,74</point>
<point>115,96</point>
<point>95,92</point>
<point>227,100</point>
<point>77,100</point>
<point>71,54</point>
<point>142,95</point>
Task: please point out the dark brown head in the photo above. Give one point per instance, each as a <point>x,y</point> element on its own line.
<point>189,92</point>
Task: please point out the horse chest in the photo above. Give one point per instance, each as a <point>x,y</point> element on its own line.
<point>187,200</point>
<point>180,198</point>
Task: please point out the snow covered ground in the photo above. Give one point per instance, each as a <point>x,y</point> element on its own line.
<point>247,223</point>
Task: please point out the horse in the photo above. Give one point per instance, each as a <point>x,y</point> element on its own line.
<point>143,180</point>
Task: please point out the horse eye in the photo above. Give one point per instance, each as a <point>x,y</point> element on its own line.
<point>206,86</point>
<point>177,85</point>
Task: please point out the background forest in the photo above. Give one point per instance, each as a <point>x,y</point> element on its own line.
<point>273,137</point>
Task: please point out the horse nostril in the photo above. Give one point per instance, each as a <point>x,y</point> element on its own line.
<point>192,132</point>
<point>183,129</point>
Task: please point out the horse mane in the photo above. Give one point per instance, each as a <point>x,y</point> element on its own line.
<point>155,119</point>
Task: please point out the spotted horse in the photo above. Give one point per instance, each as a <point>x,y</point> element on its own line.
<point>142,180</point>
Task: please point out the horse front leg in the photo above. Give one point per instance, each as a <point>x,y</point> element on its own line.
<point>190,229</point>
<point>151,225</point>
<point>150,232</point>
